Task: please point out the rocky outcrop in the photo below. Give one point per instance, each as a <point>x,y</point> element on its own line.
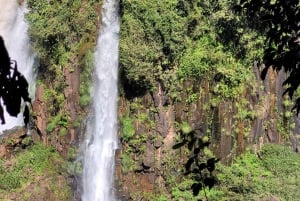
<point>71,92</point>
<point>39,113</point>
<point>71,110</point>
<point>15,139</point>
<point>39,190</point>
<point>49,184</point>
<point>260,115</point>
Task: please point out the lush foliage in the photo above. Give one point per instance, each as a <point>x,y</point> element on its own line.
<point>180,46</point>
<point>30,166</point>
<point>151,41</point>
<point>54,30</point>
<point>271,175</point>
<point>274,174</point>
<point>185,41</point>
<point>279,21</point>
<point>63,33</point>
<point>134,142</point>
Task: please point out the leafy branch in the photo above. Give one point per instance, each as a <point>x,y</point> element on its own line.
<point>198,165</point>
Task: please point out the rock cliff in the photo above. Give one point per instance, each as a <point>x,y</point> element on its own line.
<point>147,163</point>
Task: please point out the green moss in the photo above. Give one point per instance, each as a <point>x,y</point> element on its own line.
<point>128,165</point>
<point>186,128</point>
<point>85,79</point>
<point>128,129</point>
<point>58,121</point>
<point>28,167</point>
<point>253,178</point>
<point>63,132</point>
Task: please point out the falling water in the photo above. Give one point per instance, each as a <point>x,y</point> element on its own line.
<point>98,169</point>
<point>13,29</point>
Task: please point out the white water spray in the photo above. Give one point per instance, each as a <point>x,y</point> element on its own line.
<point>13,29</point>
<point>100,146</point>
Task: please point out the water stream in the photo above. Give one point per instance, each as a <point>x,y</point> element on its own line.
<point>13,29</point>
<point>102,141</point>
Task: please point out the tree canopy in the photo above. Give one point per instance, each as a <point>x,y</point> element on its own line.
<point>279,21</point>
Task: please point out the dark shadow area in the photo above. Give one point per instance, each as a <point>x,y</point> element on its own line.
<point>230,38</point>
<point>130,88</point>
<point>13,87</point>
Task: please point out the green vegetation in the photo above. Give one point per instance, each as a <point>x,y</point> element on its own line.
<point>128,164</point>
<point>36,164</point>
<point>128,129</point>
<point>151,40</point>
<point>59,120</point>
<point>275,174</point>
<point>184,41</point>
<point>85,79</point>
<point>64,34</point>
<point>272,175</point>
<point>134,143</point>
<point>278,21</point>
<point>200,53</point>
<point>199,165</point>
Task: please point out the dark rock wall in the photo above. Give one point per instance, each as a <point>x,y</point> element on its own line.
<point>231,129</point>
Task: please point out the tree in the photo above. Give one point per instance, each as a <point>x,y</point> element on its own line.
<point>13,87</point>
<point>279,21</point>
<point>153,39</point>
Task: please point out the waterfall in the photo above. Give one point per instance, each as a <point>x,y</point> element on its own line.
<point>13,29</point>
<point>101,142</point>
